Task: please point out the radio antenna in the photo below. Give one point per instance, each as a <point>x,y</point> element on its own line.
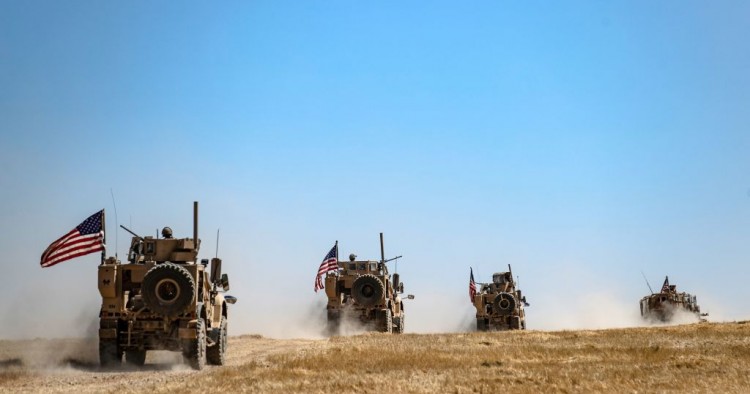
<point>217,242</point>
<point>112,193</point>
<point>647,284</point>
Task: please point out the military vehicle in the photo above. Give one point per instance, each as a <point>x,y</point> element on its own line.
<point>667,303</point>
<point>163,299</point>
<point>364,291</point>
<point>500,306</point>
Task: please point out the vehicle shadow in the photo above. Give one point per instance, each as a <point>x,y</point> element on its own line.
<point>11,363</point>
<point>92,366</point>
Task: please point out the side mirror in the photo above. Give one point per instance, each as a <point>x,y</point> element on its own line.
<point>230,299</point>
<point>215,270</point>
<point>204,262</point>
<point>225,282</point>
<point>410,297</point>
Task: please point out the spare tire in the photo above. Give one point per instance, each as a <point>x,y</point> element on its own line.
<point>504,304</point>
<point>367,290</point>
<point>168,289</point>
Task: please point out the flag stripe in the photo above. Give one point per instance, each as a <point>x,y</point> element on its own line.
<point>472,285</point>
<point>87,237</point>
<point>665,286</point>
<point>330,263</point>
<point>54,245</point>
<point>76,243</point>
<point>79,254</point>
<point>67,251</point>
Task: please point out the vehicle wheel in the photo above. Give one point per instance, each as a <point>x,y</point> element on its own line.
<point>135,357</point>
<point>399,324</point>
<point>194,350</point>
<point>215,354</point>
<point>504,304</point>
<point>515,323</point>
<point>110,354</point>
<point>387,322</point>
<point>367,290</point>
<point>168,289</point>
<point>481,324</point>
<point>334,320</point>
<point>523,324</point>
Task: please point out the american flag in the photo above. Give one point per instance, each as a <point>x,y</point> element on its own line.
<point>665,286</point>
<point>472,285</point>
<point>87,237</point>
<point>330,263</point>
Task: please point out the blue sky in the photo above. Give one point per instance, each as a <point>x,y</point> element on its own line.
<point>581,142</point>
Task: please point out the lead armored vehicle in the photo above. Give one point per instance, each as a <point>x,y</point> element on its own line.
<point>500,305</point>
<point>163,299</point>
<point>365,292</point>
<point>667,303</point>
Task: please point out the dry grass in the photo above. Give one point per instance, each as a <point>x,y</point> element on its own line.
<point>700,357</point>
<point>691,358</point>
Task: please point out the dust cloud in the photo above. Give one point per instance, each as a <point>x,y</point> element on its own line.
<point>583,311</point>
<point>53,355</point>
<point>284,319</point>
<point>432,312</point>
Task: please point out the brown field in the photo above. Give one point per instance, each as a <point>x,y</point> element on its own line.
<point>693,358</point>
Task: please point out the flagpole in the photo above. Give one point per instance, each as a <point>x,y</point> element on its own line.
<point>104,231</point>
<point>337,252</point>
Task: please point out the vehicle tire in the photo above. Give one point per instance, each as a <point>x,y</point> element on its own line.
<point>504,304</point>
<point>194,350</point>
<point>367,290</point>
<point>399,323</point>
<point>110,354</point>
<point>215,355</point>
<point>515,322</point>
<point>334,320</point>
<point>481,324</point>
<point>523,324</point>
<point>168,289</point>
<point>386,321</point>
<point>135,357</point>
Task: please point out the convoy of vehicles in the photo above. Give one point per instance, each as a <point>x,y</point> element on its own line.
<point>165,298</point>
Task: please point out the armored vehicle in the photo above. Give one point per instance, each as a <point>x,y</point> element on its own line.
<point>499,305</point>
<point>667,303</point>
<point>363,290</point>
<point>163,299</point>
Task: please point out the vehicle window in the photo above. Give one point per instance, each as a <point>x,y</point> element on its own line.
<point>363,266</point>
<point>373,266</point>
<point>353,266</point>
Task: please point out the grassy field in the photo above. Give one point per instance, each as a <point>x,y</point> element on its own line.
<point>699,358</point>
<point>689,358</point>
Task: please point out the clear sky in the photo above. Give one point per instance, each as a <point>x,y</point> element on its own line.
<point>581,142</point>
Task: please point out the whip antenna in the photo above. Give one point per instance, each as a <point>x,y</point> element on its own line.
<point>647,284</point>
<point>112,193</point>
<point>217,242</point>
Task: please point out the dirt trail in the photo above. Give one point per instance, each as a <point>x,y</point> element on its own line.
<point>64,365</point>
